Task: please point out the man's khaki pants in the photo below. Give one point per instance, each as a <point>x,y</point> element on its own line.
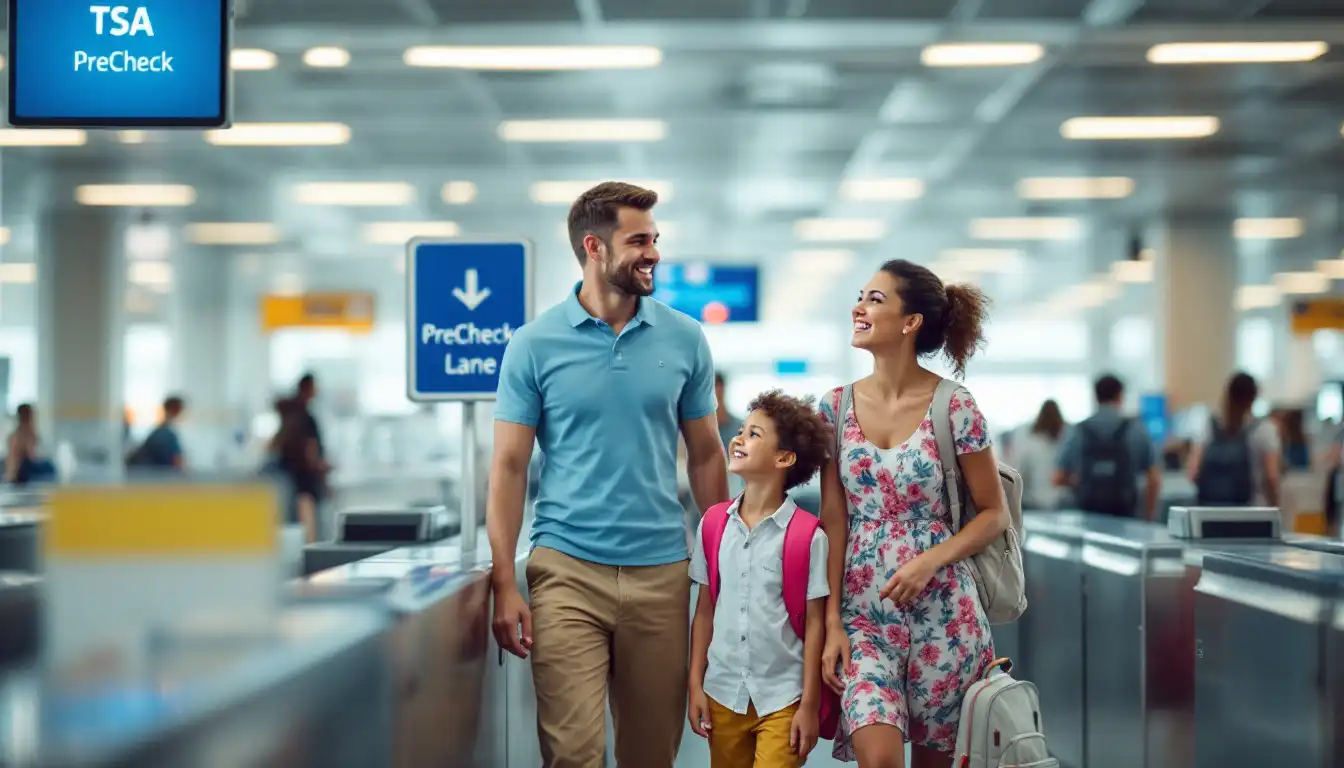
<point>593,624</point>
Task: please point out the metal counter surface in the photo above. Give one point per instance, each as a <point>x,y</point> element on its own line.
<point>199,693</point>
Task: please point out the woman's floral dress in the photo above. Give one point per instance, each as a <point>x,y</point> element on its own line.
<point>909,665</point>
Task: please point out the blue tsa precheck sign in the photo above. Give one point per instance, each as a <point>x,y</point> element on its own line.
<point>464,301</point>
<point>99,64</point>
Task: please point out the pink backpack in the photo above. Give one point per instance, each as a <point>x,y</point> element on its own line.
<point>797,554</point>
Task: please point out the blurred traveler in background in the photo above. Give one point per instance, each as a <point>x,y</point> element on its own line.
<point>162,448</point>
<point>296,456</point>
<point>1236,458</point>
<point>305,393</point>
<point>24,462</point>
<point>1296,443</point>
<point>1103,458</point>
<point>606,380</point>
<point>1035,458</point>
<point>729,424</point>
<point>903,599</point>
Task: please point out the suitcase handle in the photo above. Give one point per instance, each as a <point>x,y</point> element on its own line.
<point>1004,662</point>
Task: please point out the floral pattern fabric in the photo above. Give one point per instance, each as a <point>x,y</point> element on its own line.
<point>909,665</point>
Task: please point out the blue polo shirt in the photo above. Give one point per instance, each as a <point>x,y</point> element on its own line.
<point>608,410</point>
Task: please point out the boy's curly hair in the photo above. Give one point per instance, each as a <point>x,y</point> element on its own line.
<point>800,429</point>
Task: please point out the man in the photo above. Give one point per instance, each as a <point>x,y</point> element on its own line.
<point>604,381</point>
<point>1103,458</point>
<point>162,448</point>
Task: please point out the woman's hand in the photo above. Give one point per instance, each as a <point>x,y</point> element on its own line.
<point>835,656</point>
<point>910,580</point>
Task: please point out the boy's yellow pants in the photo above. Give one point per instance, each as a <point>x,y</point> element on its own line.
<point>751,741</point>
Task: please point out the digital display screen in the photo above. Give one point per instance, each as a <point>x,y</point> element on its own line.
<point>711,293</point>
<point>154,64</point>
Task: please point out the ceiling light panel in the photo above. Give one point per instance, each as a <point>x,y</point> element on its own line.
<point>981,54</point>
<point>839,230</point>
<point>401,232</point>
<point>1075,188</point>
<point>1044,228</point>
<point>233,233</point>
<point>1257,297</point>
<point>867,190</point>
<point>54,137</point>
<point>326,57</point>
<point>1332,268</point>
<point>18,273</point>
<point>1267,229</point>
<point>582,130</point>
<point>566,192</point>
<point>1139,128</point>
<point>5,235</point>
<point>534,57</point>
<point>822,262</point>
<point>1236,53</point>
<point>1132,271</point>
<point>458,192</point>
<point>251,59</point>
<point>975,260</point>
<point>280,135</point>
<point>149,195</point>
<point>1301,283</point>
<point>354,193</point>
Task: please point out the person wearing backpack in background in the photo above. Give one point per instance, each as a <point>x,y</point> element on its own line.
<point>755,685</point>
<point>907,629</point>
<point>1237,462</point>
<point>1102,459</point>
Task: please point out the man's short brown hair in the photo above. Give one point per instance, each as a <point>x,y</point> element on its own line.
<point>597,211</point>
<point>798,428</point>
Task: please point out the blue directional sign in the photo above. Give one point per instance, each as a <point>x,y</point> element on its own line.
<point>96,64</point>
<point>464,301</point>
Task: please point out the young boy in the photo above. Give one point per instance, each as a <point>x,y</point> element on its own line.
<point>755,688</point>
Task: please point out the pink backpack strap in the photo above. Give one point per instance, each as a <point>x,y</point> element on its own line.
<point>711,538</point>
<point>797,566</point>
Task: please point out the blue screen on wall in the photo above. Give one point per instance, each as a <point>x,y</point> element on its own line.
<point>96,64</point>
<point>709,293</point>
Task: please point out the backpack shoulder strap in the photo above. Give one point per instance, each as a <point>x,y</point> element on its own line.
<point>841,414</point>
<point>797,566</point>
<point>947,449</point>
<point>711,537</point>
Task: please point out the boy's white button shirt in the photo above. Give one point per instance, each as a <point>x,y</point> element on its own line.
<point>755,656</point>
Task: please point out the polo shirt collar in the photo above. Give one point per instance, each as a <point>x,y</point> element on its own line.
<point>781,517</point>
<point>577,315</point>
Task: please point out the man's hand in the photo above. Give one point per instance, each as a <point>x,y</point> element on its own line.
<point>803,732</point>
<point>698,712</point>
<point>513,620</point>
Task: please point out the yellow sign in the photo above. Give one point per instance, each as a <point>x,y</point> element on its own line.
<point>351,311</point>
<point>169,519</point>
<point>1323,314</point>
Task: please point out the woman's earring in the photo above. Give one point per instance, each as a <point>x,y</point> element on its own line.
<point>905,331</point>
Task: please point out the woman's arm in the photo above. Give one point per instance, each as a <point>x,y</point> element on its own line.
<point>835,522</point>
<point>981,471</point>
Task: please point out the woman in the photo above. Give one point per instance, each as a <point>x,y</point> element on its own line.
<point>1296,444</point>
<point>904,613</point>
<point>1228,437</point>
<point>24,462</point>
<point>1036,458</point>
<point>294,455</point>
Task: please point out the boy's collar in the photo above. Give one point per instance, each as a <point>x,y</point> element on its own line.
<point>781,516</point>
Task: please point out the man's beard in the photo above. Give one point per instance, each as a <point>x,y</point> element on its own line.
<point>626,279</point>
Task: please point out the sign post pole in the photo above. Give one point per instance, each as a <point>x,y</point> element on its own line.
<point>465,301</point>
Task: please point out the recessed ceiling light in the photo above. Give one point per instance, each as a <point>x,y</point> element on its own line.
<point>458,192</point>
<point>5,235</point>
<point>280,135</point>
<point>1139,128</point>
<point>354,193</point>
<point>243,59</point>
<point>157,275</point>
<point>866,190</point>
<point>1267,229</point>
<point>135,195</point>
<point>981,54</point>
<point>582,130</point>
<point>1075,188</point>
<point>233,233</point>
<point>1257,297</point>
<point>1043,228</point>
<point>566,192</point>
<point>19,273</point>
<point>831,261</point>
<point>132,137</point>
<point>326,57</point>
<point>839,230</point>
<point>534,57</point>
<point>1331,268</point>
<point>1132,271</point>
<point>1236,53</point>
<point>53,137</point>
<point>1301,283</point>
<point>402,232</point>
<point>982,259</point>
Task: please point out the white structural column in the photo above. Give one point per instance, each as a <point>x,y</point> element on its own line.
<point>1196,278</point>
<point>81,332</point>
<point>201,361</point>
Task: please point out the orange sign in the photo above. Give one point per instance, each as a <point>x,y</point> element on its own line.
<point>1323,314</point>
<point>351,311</point>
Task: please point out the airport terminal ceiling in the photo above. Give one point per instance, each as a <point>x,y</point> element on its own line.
<point>756,117</point>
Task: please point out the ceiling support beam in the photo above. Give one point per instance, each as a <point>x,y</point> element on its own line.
<point>420,11</point>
